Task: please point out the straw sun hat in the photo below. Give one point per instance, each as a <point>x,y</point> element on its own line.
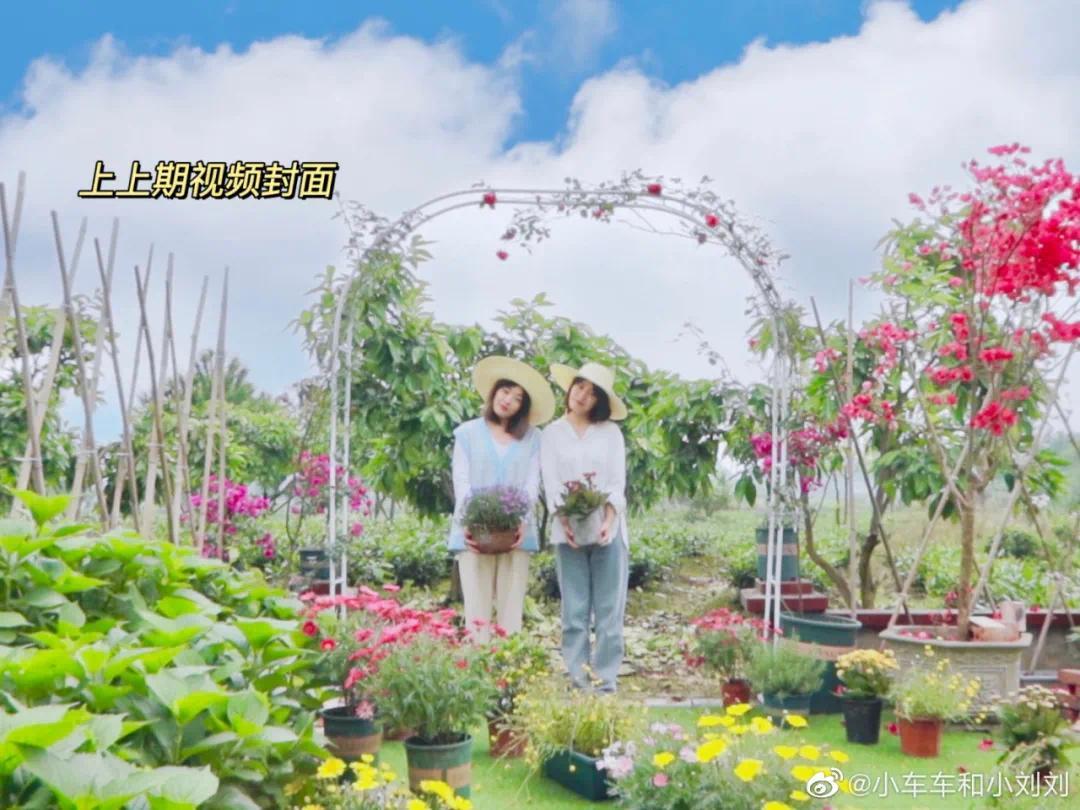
<point>600,376</point>
<point>492,369</point>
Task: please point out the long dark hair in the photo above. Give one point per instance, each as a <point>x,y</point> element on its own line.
<point>601,411</point>
<point>519,422</point>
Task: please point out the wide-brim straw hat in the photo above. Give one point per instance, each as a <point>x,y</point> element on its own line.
<point>600,376</point>
<point>492,369</point>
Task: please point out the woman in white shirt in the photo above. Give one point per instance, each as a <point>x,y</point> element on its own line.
<point>500,448</point>
<point>592,578</point>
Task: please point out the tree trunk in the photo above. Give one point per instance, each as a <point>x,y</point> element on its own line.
<point>835,577</point>
<point>967,565</point>
<point>867,586</point>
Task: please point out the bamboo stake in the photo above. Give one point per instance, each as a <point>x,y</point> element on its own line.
<point>208,454</point>
<point>157,450</point>
<point>128,470</point>
<point>223,415</point>
<point>45,390</point>
<point>156,397</point>
<point>182,492</point>
<point>849,456</point>
<point>11,233</point>
<point>83,377</point>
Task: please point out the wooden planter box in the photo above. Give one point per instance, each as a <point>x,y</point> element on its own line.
<point>995,663</point>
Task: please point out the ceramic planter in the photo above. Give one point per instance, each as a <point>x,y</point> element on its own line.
<point>920,736</point>
<point>350,737</point>
<point>587,529</point>
<point>449,762</point>
<point>862,719</point>
<point>995,663</point>
<point>578,773</point>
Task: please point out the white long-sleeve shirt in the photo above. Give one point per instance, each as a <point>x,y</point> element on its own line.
<point>565,456</point>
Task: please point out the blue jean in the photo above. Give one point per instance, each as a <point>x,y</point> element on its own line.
<point>593,583</point>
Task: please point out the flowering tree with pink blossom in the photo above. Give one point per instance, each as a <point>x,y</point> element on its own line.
<point>976,334</point>
<point>311,492</point>
<point>237,516</point>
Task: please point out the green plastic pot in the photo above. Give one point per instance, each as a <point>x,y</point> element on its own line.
<point>314,563</point>
<point>578,772</point>
<point>791,704</point>
<point>824,636</point>
<point>449,762</point>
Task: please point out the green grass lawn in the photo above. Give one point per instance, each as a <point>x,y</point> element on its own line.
<point>508,784</point>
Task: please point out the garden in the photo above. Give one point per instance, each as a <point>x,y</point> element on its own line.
<point>842,579</point>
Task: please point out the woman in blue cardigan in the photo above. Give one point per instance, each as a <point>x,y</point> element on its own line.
<point>502,447</point>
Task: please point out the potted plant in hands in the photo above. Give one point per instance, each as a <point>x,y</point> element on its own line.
<point>568,729</point>
<point>493,518</point>
<point>582,508</point>
<point>866,676</point>
<point>511,661</point>
<point>724,641</point>
<point>927,696</point>
<point>436,685</point>
<point>1035,733</point>
<point>352,727</point>
<point>785,679</point>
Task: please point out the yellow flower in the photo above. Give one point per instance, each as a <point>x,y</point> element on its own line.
<point>803,772</point>
<point>810,752</point>
<point>747,769</point>
<point>713,720</point>
<point>367,758</point>
<point>710,750</point>
<point>839,756</point>
<point>663,759</point>
<point>738,709</point>
<point>440,789</point>
<point>460,803</point>
<point>741,728</point>
<point>417,804</point>
<point>331,769</point>
<point>777,806</point>
<point>799,796</point>
<point>312,807</point>
<point>761,725</point>
<point>785,751</point>
<point>845,786</point>
<point>795,720</point>
<point>928,651</point>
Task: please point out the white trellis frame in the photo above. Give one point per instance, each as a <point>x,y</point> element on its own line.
<point>700,213</point>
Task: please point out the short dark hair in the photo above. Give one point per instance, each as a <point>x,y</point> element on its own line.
<point>519,422</point>
<point>601,411</point>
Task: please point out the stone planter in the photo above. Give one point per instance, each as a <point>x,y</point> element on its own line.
<point>995,663</point>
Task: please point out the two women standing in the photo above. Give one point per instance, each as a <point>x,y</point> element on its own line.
<point>504,447</point>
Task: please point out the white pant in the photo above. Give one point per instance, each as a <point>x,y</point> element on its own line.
<point>493,581</point>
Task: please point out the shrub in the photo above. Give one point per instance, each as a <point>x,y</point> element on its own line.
<point>1033,730</point>
<point>930,689</point>
<point>1017,543</point>
<point>140,669</point>
<point>650,563</point>
<point>781,671</point>
<point>546,582</point>
<point>414,549</point>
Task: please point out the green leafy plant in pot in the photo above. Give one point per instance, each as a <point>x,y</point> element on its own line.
<point>723,643</point>
<point>493,517</point>
<point>583,508</point>
<point>436,685</point>
<point>866,676</point>
<point>568,730</point>
<point>1034,732</point>
<point>512,661</point>
<point>785,678</point>
<point>352,728</point>
<point>929,694</point>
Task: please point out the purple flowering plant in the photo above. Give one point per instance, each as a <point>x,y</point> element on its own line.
<point>495,509</point>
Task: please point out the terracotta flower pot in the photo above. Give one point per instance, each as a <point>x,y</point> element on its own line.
<point>493,542</point>
<point>736,690</point>
<point>920,737</point>
<point>503,742</point>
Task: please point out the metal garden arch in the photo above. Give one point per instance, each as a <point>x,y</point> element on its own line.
<point>698,211</point>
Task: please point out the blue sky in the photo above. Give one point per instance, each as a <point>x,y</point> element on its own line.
<point>672,41</point>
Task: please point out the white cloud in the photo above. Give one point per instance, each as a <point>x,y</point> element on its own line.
<point>819,143</point>
<point>581,27</point>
